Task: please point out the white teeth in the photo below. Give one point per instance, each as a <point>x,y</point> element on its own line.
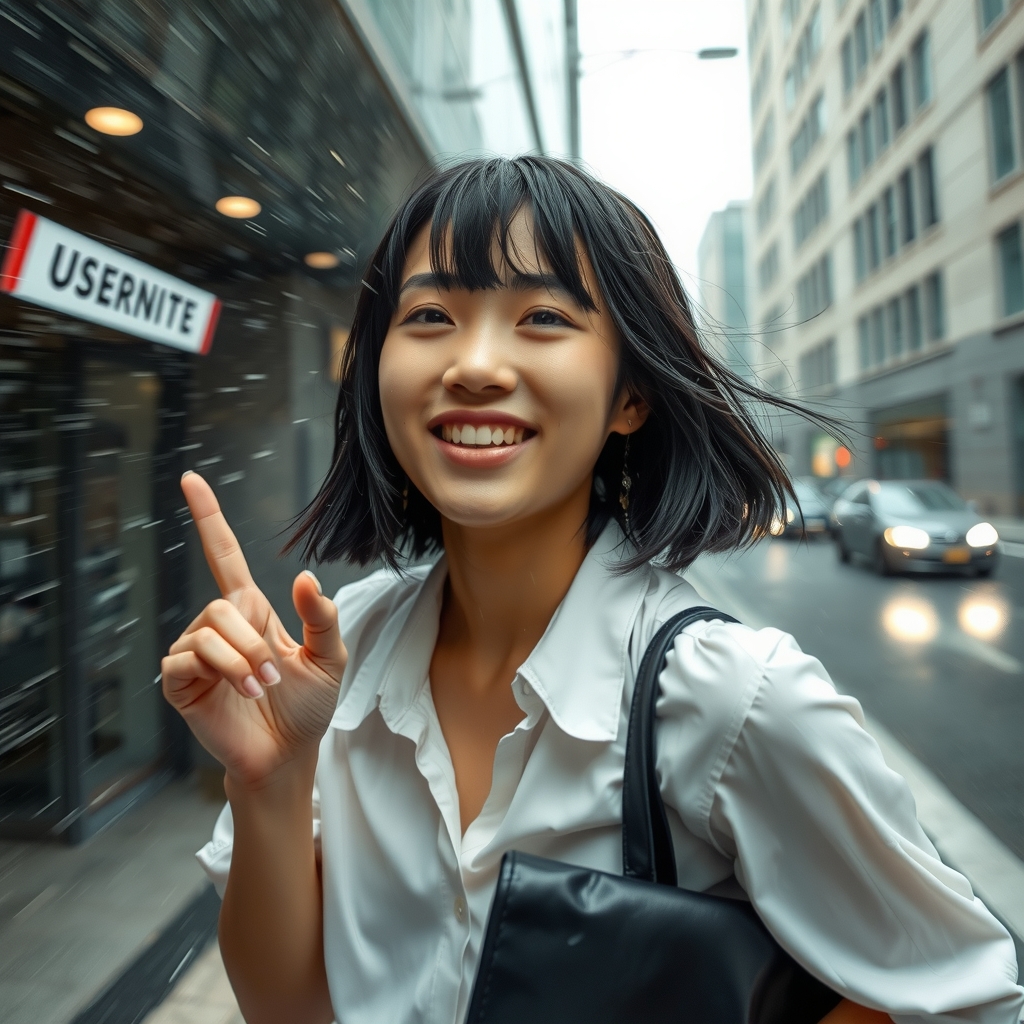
<point>482,436</point>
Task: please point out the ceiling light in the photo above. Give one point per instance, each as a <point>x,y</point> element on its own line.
<point>239,207</point>
<point>113,121</point>
<point>321,260</point>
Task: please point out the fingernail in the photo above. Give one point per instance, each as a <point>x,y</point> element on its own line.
<point>251,688</point>
<point>269,673</point>
<point>188,472</point>
<point>319,589</point>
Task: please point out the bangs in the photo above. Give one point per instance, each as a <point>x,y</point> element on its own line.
<point>471,244</point>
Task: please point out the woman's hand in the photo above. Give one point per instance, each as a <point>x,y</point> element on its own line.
<point>254,698</point>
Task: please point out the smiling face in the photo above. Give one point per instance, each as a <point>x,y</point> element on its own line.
<point>498,401</point>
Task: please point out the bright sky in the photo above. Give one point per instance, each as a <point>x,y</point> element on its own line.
<point>668,130</point>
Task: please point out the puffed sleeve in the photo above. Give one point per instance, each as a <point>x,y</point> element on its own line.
<point>215,857</point>
<point>773,767</point>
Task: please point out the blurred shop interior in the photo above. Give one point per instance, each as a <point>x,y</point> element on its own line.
<point>269,144</point>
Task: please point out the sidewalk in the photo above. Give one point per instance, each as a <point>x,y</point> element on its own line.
<point>203,996</point>
<point>72,918</point>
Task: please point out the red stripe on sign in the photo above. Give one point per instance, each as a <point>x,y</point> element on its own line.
<point>211,326</point>
<point>17,249</point>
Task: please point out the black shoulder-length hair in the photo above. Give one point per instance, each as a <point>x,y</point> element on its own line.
<point>704,475</point>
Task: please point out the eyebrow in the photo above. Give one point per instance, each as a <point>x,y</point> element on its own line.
<point>519,283</point>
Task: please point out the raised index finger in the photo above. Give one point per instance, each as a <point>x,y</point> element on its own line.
<point>223,553</point>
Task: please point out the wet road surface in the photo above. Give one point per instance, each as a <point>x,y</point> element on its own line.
<point>939,661</point>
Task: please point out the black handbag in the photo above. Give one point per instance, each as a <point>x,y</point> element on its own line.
<point>568,945</point>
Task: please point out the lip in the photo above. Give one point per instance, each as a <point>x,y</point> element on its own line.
<point>479,418</point>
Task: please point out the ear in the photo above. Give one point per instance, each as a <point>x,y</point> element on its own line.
<point>629,413</point>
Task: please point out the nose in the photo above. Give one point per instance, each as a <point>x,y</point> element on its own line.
<point>480,362</point>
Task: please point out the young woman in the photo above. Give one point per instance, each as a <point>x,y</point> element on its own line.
<point>526,401</point>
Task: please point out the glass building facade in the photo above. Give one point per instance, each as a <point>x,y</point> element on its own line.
<point>324,113</point>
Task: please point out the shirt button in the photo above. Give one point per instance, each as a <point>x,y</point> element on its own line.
<point>527,689</point>
<point>460,909</point>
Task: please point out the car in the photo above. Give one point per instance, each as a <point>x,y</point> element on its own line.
<point>805,517</point>
<point>913,526</point>
<point>831,489</point>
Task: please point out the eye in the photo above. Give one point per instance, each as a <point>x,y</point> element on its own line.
<point>430,315</point>
<point>546,318</point>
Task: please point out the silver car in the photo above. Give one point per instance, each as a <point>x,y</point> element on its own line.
<point>913,526</point>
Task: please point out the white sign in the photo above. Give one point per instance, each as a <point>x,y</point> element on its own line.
<point>60,269</point>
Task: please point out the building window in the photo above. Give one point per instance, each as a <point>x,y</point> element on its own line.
<point>761,79</point>
<point>926,179</point>
<point>874,241</point>
<point>877,15</point>
<point>765,142</point>
<point>878,335</point>
<point>860,251</point>
<point>908,218</point>
<point>807,49</point>
<point>1000,118</point>
<point>768,267</point>
<point>766,206</point>
<point>899,96</point>
<point>818,365</point>
<point>890,222</point>
<point>864,342</point>
<point>895,9</point>
<point>913,306</point>
<point>991,12</point>
<point>811,211</point>
<point>814,289</point>
<point>1011,267</point>
<point>921,61</point>
<point>934,307</point>
<point>867,138</point>
<point>853,160</point>
<point>756,25</point>
<point>860,42</point>
<point>849,71</point>
<point>882,133</point>
<point>895,328</point>
<point>790,13</point>
<point>808,132</point>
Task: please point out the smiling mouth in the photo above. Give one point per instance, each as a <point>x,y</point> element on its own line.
<point>470,436</point>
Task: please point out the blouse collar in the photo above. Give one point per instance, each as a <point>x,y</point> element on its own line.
<point>577,668</point>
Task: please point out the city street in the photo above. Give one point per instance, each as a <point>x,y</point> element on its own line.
<point>937,661</point>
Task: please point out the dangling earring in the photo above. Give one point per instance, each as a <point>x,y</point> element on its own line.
<point>627,483</point>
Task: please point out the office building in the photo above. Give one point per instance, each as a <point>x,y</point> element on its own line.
<point>188,197</point>
<point>888,199</point>
<point>725,286</point>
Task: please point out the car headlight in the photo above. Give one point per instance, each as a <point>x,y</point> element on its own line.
<point>907,537</point>
<point>983,535</point>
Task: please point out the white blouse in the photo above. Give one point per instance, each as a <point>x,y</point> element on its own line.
<point>767,771</point>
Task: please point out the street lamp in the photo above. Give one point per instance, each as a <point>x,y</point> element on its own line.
<point>705,53</point>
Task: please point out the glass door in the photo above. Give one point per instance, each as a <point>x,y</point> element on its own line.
<point>31,675</point>
<point>122,741</point>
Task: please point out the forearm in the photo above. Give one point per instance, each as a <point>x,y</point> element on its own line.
<point>271,922</point>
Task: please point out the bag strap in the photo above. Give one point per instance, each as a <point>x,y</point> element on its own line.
<point>647,850</point>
